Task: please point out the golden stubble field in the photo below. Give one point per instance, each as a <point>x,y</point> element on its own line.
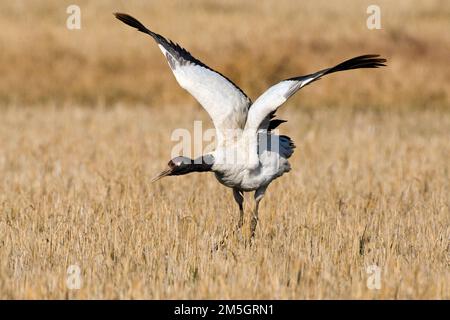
<point>86,120</point>
<point>366,189</point>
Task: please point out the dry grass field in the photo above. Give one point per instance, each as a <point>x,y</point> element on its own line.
<point>86,119</point>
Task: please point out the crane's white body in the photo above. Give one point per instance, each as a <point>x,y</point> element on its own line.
<point>235,164</point>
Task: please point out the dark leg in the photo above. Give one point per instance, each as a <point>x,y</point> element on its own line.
<point>240,201</point>
<point>259,194</point>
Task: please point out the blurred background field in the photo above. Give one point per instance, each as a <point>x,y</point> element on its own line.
<point>255,43</point>
<point>86,118</point>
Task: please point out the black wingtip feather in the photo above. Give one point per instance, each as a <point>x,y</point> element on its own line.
<point>369,61</point>
<point>132,22</point>
<point>364,61</point>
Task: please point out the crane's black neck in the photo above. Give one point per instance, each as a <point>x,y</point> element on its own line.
<point>203,163</point>
<point>184,165</point>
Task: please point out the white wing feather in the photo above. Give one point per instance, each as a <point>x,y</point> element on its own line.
<point>270,100</point>
<point>226,105</point>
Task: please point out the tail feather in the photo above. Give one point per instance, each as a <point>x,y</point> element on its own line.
<point>274,123</point>
<point>287,146</point>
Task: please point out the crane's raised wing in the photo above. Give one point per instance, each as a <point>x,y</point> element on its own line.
<point>225,102</point>
<point>263,109</point>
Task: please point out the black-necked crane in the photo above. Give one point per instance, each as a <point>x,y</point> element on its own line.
<point>241,160</point>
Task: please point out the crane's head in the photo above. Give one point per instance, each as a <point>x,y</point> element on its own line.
<point>183,165</point>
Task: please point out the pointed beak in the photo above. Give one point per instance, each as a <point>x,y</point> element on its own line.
<point>163,174</point>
